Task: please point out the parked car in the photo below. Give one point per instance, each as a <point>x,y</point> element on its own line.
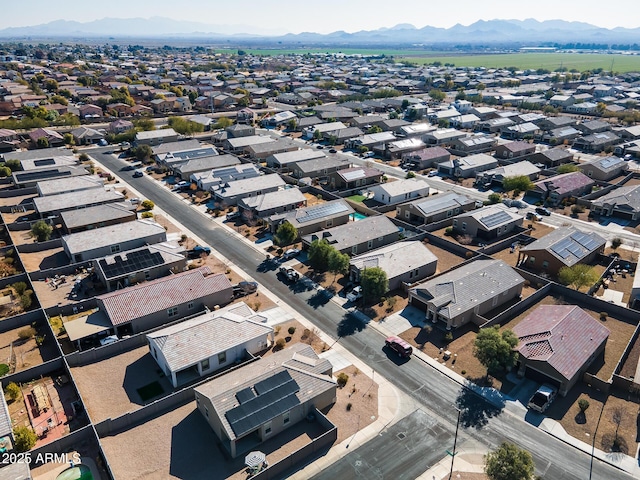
<point>291,253</point>
<point>432,173</point>
<point>543,211</point>
<point>109,340</point>
<point>102,142</point>
<point>543,397</point>
<point>355,294</point>
<point>398,345</point>
<point>180,186</point>
<point>138,174</point>
<point>333,150</point>
<point>289,273</point>
<point>244,288</point>
<point>233,215</point>
<point>534,216</point>
<point>198,251</point>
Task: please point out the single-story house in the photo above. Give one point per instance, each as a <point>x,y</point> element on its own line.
<point>555,189</point>
<point>623,202</point>
<point>156,137</point>
<point>593,126</point>
<point>370,140</point>
<point>443,136</point>
<point>400,191</point>
<point>604,169</point>
<point>186,170</point>
<point>467,167</point>
<point>487,223</point>
<point>172,158</point>
<point>520,130</point>
<point>562,135</point>
<point>359,236</point>
<point>209,342</point>
<point>229,193</point>
<point>240,130</point>
<point>354,177</point>
<point>435,208</point>
<point>515,151</point>
<point>264,150</point>
<point>52,137</point>
<point>287,159</point>
<point>315,217</point>
<point>242,144</point>
<point>558,343</point>
<point>237,171</point>
<point>498,175</point>
<point>403,262</point>
<point>55,204</point>
<point>552,157</point>
<point>398,148</point>
<point>67,185</point>
<point>473,144</point>
<point>177,146</point>
<point>30,178</point>
<point>263,399</point>
<point>99,242</point>
<point>309,132</point>
<point>464,294</point>
<point>86,135</point>
<point>562,247</point>
<point>596,142</point>
<point>319,167</point>
<point>272,203</point>
<point>90,111</point>
<point>120,126</point>
<point>139,265</point>
<point>426,158</point>
<point>342,135</point>
<point>154,303</point>
<point>98,216</point>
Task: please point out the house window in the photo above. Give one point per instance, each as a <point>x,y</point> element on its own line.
<point>354,249</point>
<point>464,226</point>
<point>370,244</point>
<point>495,301</point>
<point>206,412</point>
<point>383,197</point>
<point>545,264</point>
<point>172,312</point>
<point>115,248</point>
<point>285,418</point>
<point>455,223</point>
<point>190,306</point>
<point>449,213</point>
<point>532,260</point>
<point>329,223</point>
<point>204,364</point>
<point>267,428</point>
<point>222,357</point>
<point>407,214</point>
<point>147,275</point>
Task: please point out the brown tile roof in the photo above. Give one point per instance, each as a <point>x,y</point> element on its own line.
<point>123,306</point>
<point>564,336</point>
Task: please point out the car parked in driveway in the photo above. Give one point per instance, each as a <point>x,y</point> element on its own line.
<point>542,398</point>
<point>355,294</point>
<point>534,216</point>
<point>108,340</point>
<point>138,174</point>
<point>291,253</point>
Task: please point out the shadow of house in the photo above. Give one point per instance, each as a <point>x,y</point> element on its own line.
<point>140,373</point>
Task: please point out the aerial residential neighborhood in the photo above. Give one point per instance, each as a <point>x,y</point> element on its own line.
<point>217,263</point>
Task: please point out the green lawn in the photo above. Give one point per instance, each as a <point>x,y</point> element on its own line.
<point>550,61</point>
<point>357,198</point>
<point>150,391</point>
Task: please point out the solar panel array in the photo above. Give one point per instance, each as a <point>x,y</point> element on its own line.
<point>324,210</point>
<point>577,244</point>
<point>245,395</point>
<point>276,395</point>
<point>134,262</point>
<point>353,175</point>
<point>585,240</point>
<point>47,175</point>
<point>495,219</point>
<point>609,162</point>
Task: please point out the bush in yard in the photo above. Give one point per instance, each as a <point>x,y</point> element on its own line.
<point>577,209</point>
<point>410,175</point>
<point>615,243</point>
<point>603,315</point>
<point>25,301</point>
<point>448,337</point>
<point>280,343</point>
<point>12,391</point>
<point>25,438</point>
<point>494,198</point>
<point>41,230</point>
<point>583,404</point>
<point>495,349</point>
<point>26,333</point>
<point>448,231</point>
<point>286,234</point>
<point>349,405</point>
<point>19,287</point>
<point>342,379</point>
<point>146,215</point>
<point>291,330</point>
<point>147,204</point>
<point>374,283</point>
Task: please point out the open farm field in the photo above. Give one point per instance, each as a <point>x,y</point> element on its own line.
<point>347,51</point>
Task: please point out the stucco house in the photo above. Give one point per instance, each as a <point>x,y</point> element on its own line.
<point>435,208</point>
<point>623,202</point>
<point>487,223</point>
<point>400,191</point>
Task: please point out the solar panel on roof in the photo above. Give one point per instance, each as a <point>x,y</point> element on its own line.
<point>132,262</point>
<point>560,248</point>
<point>495,219</point>
<point>585,240</point>
<point>245,395</point>
<point>324,210</point>
<point>272,382</point>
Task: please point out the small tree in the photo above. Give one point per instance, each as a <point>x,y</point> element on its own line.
<point>12,391</point>
<point>42,142</point>
<point>41,230</point>
<point>374,283</point>
<point>25,438</point>
<point>495,349</point>
<point>291,330</point>
<point>568,168</point>
<point>520,182</point>
<point>583,404</point>
<point>410,175</point>
<point>142,153</point>
<point>147,204</point>
<point>494,198</point>
<point>342,379</point>
<point>578,276</point>
<point>338,264</point>
<point>318,254</point>
<point>615,243</point>
<point>286,234</point>
<point>26,333</point>
<point>509,462</point>
<point>83,157</point>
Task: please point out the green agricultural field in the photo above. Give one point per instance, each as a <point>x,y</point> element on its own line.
<point>330,50</point>
<point>549,61</point>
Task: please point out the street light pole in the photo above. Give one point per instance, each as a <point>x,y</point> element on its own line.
<point>455,441</point>
<point>593,443</point>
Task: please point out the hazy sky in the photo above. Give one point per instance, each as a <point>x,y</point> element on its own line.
<point>323,16</point>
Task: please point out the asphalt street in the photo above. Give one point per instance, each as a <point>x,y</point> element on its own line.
<point>436,393</point>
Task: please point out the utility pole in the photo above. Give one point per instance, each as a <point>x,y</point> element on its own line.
<point>455,441</point>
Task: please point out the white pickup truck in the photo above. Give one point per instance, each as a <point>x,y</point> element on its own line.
<point>543,397</point>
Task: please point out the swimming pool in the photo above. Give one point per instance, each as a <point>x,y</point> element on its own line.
<point>79,472</point>
<point>357,216</point>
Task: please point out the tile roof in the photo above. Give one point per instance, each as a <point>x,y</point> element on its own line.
<point>565,183</point>
<point>396,259</point>
<point>123,306</point>
<point>568,244</point>
<point>624,198</point>
<point>346,236</point>
<point>441,203</point>
<point>193,340</point>
<point>564,336</point>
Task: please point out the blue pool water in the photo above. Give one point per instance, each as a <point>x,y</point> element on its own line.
<point>357,216</point>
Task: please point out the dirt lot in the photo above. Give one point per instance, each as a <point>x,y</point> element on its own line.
<point>11,201</point>
<point>121,376</point>
<point>582,426</point>
<point>52,258</point>
<point>446,260</point>
<point>23,354</point>
<point>300,335</point>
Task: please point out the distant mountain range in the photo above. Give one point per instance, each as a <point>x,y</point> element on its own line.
<point>525,32</point>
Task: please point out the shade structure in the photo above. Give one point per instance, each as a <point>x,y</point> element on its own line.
<point>255,459</point>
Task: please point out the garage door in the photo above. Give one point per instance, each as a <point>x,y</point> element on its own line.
<point>540,377</point>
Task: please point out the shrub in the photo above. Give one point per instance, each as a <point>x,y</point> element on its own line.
<point>583,404</point>
<point>25,438</point>
<point>26,333</point>
<point>576,209</point>
<point>448,231</point>
<point>410,175</point>
<point>146,215</point>
<point>183,238</point>
<point>342,379</point>
<point>12,391</point>
<point>291,330</point>
<point>147,204</point>
<point>468,254</point>
<point>465,239</point>
<point>280,343</point>
<point>25,301</point>
<point>603,315</point>
<point>305,334</point>
<point>448,337</point>
<point>277,329</point>
<point>349,406</point>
